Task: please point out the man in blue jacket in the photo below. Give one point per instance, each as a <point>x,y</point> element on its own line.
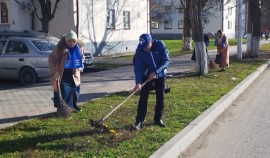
<point>150,64</point>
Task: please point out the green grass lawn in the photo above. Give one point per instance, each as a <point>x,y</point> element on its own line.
<point>174,47</point>
<point>51,136</point>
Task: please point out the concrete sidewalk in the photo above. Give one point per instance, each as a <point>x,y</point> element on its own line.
<point>180,142</point>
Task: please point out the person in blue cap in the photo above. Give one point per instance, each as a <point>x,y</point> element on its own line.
<point>150,64</point>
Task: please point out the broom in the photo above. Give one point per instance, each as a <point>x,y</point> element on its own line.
<point>63,108</point>
<point>211,64</point>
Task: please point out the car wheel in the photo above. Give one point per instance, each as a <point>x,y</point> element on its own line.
<point>28,76</point>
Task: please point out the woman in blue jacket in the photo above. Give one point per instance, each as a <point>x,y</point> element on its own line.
<point>150,63</point>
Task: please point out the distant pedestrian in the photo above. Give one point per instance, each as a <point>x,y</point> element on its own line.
<point>266,35</point>
<point>64,64</point>
<point>206,41</point>
<point>150,63</point>
<point>222,44</point>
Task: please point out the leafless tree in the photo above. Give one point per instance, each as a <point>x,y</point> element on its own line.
<point>265,14</point>
<point>158,11</point>
<point>253,28</point>
<point>197,30</point>
<point>44,10</point>
<point>208,7</point>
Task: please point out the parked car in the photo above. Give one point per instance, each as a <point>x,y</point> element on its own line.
<point>89,59</point>
<point>24,55</point>
<point>25,58</point>
<point>24,33</point>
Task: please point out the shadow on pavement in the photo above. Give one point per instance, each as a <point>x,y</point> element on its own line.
<point>21,118</point>
<point>87,97</point>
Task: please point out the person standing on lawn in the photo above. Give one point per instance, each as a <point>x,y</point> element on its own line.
<point>150,64</point>
<point>65,62</point>
<point>266,35</point>
<point>222,44</point>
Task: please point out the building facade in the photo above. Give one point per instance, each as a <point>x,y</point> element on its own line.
<point>107,27</point>
<point>172,26</point>
<point>14,16</point>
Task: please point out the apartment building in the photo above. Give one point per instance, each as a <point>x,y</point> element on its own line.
<point>107,27</point>
<point>171,26</point>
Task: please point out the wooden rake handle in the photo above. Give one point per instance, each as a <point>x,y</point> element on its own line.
<point>115,108</point>
<point>59,89</point>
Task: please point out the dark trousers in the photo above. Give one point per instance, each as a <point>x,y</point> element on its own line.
<point>70,94</point>
<point>142,105</point>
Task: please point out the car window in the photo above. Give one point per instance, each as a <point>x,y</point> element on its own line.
<point>44,45</point>
<point>16,47</point>
<point>2,45</point>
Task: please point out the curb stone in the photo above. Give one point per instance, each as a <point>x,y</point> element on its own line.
<point>180,142</point>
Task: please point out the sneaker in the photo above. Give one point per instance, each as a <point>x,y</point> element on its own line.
<point>137,126</point>
<point>77,109</point>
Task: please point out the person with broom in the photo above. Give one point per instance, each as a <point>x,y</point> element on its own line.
<point>222,44</point>
<point>150,65</point>
<point>65,62</point>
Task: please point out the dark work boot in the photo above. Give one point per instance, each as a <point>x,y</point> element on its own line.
<point>76,108</point>
<point>159,123</point>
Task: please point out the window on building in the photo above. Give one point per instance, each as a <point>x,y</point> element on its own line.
<point>3,12</point>
<point>167,9</point>
<point>230,10</point>
<point>111,19</point>
<point>126,19</point>
<point>229,24</point>
<point>180,24</point>
<point>154,25</point>
<point>168,24</point>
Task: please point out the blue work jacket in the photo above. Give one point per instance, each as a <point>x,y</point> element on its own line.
<point>156,60</point>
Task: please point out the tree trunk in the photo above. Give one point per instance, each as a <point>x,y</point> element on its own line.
<point>46,13</point>
<point>45,25</point>
<point>186,36</point>
<point>253,28</point>
<point>197,30</point>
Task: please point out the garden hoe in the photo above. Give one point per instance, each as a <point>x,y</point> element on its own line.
<point>100,122</point>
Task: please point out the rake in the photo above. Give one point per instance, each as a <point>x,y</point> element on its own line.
<point>100,122</point>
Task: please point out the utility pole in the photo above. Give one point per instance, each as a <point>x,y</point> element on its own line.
<point>77,17</point>
<point>240,30</point>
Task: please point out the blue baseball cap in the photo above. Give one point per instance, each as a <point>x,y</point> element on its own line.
<point>144,40</point>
